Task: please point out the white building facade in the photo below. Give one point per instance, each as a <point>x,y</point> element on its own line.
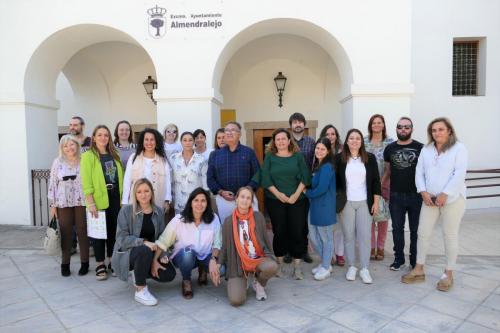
<point>344,61</point>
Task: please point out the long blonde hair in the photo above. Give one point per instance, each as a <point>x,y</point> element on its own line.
<point>133,197</point>
<point>64,140</point>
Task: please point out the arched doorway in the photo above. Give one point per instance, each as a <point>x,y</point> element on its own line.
<point>317,67</point>
<point>89,70</point>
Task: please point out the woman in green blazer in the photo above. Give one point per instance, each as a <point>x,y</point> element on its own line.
<point>102,182</point>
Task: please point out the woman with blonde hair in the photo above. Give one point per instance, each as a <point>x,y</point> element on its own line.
<point>139,226</point>
<point>67,202</point>
<point>170,135</point>
<point>245,250</point>
<point>440,180</point>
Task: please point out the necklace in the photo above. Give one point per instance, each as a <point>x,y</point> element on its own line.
<point>354,157</point>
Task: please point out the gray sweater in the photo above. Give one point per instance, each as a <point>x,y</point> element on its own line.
<point>128,236</point>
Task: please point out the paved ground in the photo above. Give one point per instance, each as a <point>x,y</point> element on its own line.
<point>35,298</point>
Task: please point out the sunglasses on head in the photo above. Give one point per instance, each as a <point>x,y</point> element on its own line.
<point>406,127</point>
<point>66,178</point>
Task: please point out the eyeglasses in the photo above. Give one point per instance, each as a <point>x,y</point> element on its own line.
<point>406,127</point>
<point>233,130</point>
<point>66,178</point>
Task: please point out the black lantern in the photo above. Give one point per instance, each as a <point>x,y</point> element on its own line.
<point>150,84</point>
<point>280,81</point>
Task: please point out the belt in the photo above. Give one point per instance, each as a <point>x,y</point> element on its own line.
<point>110,187</point>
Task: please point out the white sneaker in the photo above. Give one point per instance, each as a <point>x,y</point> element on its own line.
<point>144,297</point>
<point>315,269</point>
<point>260,293</point>
<point>322,274</point>
<point>351,273</point>
<point>365,276</point>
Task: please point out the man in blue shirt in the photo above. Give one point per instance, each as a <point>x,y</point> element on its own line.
<point>230,168</point>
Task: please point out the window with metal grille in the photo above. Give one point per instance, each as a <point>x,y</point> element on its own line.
<point>465,68</point>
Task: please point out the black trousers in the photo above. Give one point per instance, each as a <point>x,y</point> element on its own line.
<point>105,246</point>
<point>289,224</point>
<point>141,258</point>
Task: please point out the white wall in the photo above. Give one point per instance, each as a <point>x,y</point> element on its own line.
<point>312,86</point>
<point>475,118</point>
<point>103,84</point>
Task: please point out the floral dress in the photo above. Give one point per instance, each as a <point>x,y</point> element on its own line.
<point>187,177</point>
<point>65,185</point>
<point>378,151</point>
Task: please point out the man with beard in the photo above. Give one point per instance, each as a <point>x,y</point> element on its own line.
<point>401,159</point>
<point>306,145</point>
<point>76,128</point>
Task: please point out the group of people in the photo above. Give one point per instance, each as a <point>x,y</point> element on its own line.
<point>171,205</point>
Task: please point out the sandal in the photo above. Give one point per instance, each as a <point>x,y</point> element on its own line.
<point>187,289</point>
<point>445,283</point>
<point>412,278</point>
<point>101,273</point>
<point>372,254</point>
<point>380,255</point>
<point>202,276</point>
<point>111,270</point>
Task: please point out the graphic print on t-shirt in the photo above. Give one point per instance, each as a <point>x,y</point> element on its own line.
<point>404,158</point>
<point>110,168</point>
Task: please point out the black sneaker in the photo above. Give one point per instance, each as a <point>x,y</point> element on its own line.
<point>396,266</point>
<point>287,259</point>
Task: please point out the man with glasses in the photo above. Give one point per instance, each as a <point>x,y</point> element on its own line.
<point>230,168</point>
<point>401,159</point>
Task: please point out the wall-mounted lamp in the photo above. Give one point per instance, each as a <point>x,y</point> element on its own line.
<point>150,84</point>
<point>280,81</point>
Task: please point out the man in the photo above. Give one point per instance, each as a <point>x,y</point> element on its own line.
<point>76,128</point>
<point>230,168</point>
<point>401,159</point>
<point>306,144</point>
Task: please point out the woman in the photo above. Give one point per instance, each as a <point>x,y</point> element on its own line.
<point>219,139</point>
<point>322,198</point>
<point>102,183</point>
<point>200,141</point>
<point>67,202</point>
<point>331,132</point>
<point>139,226</point>
<point>357,175</point>
<point>284,177</point>
<point>196,238</point>
<point>440,179</point>
<point>170,135</point>
<point>189,171</point>
<point>124,140</point>
<point>245,250</point>
<point>149,161</point>
<point>375,143</point>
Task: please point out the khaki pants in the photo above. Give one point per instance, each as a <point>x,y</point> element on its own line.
<point>237,287</point>
<point>451,216</point>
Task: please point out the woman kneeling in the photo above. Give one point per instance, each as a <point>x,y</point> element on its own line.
<point>195,235</point>
<point>139,226</point>
<point>245,250</point>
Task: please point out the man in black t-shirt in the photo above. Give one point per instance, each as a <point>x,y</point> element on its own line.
<point>401,159</point>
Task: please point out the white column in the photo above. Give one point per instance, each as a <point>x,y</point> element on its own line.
<point>190,112</point>
<point>28,133</point>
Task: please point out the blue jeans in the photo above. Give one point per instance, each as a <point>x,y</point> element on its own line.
<point>186,260</point>
<point>400,204</point>
<point>322,240</point>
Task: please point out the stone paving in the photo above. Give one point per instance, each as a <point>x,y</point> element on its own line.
<point>35,298</point>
